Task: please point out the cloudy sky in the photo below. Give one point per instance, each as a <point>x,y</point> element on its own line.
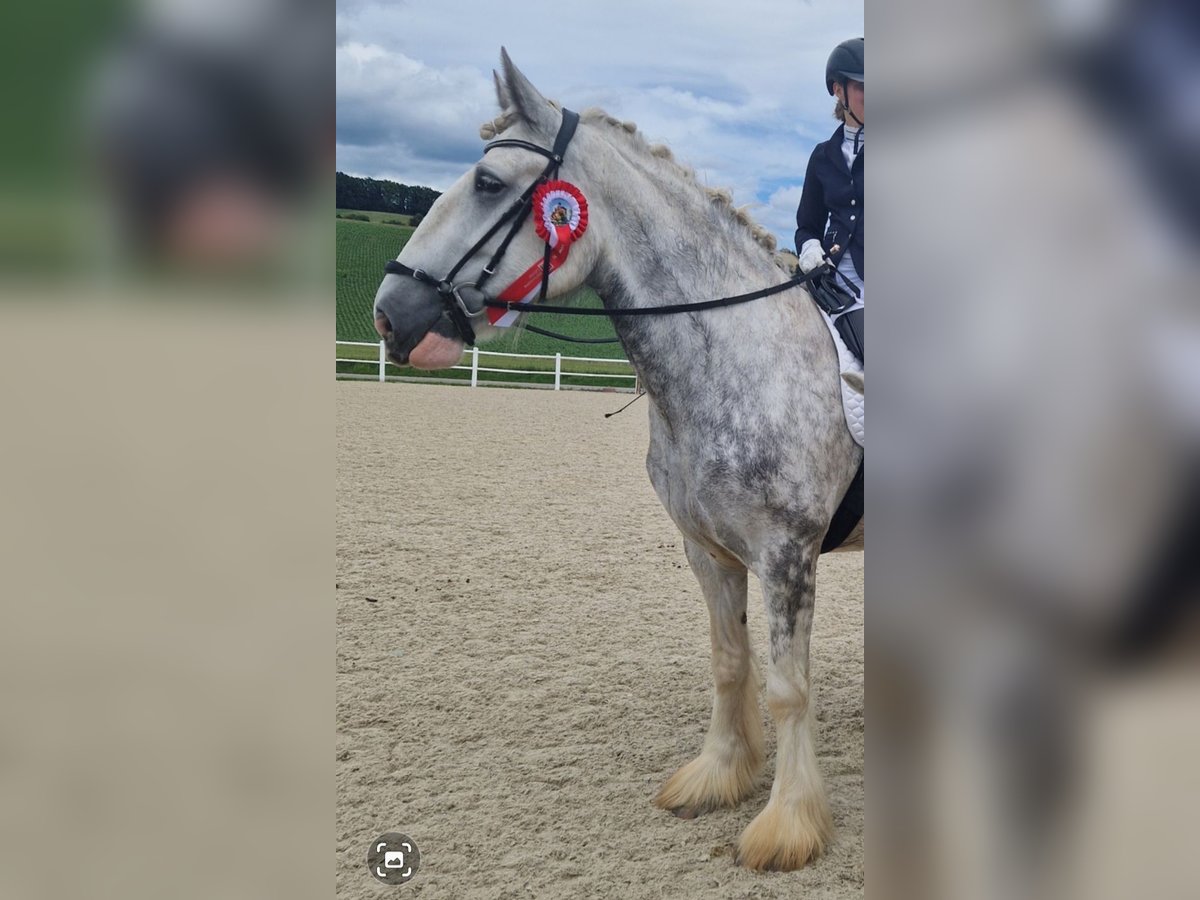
<point>734,87</point>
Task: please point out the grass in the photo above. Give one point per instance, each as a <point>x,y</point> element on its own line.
<point>378,218</point>
<point>362,250</point>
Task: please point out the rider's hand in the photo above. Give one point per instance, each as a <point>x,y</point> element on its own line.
<point>811,256</point>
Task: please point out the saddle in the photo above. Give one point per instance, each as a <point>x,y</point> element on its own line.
<point>838,305</point>
<point>843,315</point>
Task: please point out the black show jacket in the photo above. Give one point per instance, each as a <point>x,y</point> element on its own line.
<point>831,206</point>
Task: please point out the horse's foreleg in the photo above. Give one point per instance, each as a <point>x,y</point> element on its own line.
<point>795,826</point>
<point>726,770</point>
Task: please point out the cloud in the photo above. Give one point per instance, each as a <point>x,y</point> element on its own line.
<point>386,99</point>
<point>736,90</point>
<point>779,213</point>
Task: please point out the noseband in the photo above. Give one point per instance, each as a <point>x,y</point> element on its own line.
<point>447,288</point>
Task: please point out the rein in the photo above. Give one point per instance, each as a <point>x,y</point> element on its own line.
<point>794,281</point>
<point>821,279</point>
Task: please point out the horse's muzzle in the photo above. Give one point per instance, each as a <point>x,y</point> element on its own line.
<point>405,312</point>
<point>437,346</point>
<point>395,354</point>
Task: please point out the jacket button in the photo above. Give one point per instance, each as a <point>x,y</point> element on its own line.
<point>852,218</point>
<point>854,203</point>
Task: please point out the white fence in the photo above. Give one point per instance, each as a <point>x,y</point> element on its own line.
<point>472,356</point>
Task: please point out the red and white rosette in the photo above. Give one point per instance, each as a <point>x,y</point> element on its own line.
<point>559,213</point>
<point>560,218</point>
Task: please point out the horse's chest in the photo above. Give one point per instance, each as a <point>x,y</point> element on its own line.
<point>704,491</point>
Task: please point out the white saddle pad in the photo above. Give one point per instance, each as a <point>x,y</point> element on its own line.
<point>853,402</point>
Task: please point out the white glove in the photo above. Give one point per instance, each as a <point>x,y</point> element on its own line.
<point>811,255</point>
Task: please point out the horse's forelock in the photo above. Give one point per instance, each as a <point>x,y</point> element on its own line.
<point>507,118</point>
<point>488,130</point>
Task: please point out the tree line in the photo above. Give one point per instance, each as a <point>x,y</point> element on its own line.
<point>380,195</point>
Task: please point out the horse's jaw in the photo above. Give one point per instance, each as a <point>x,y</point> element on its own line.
<point>425,338</point>
<point>433,350</point>
<point>436,351</point>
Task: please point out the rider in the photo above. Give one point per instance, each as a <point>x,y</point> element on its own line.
<point>830,217</point>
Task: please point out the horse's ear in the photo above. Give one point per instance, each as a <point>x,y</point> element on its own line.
<point>528,102</point>
<point>502,96</point>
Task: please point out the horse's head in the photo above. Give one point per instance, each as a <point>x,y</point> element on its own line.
<point>432,300</point>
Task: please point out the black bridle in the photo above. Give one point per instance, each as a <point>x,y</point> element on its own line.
<point>820,280</point>
<point>447,288</point>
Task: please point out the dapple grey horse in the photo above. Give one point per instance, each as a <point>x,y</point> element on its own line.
<point>749,450</point>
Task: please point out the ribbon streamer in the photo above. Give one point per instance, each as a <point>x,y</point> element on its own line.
<point>560,219</point>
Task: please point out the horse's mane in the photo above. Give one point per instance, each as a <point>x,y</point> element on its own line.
<point>719,197</point>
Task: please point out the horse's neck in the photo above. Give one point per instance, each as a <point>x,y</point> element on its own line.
<point>719,355</point>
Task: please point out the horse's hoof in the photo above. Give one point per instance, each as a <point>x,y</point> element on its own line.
<point>785,838</point>
<point>741,863</point>
<point>707,783</point>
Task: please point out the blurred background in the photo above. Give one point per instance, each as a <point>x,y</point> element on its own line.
<point>167,135</point>
<point>166,269</point>
<point>1032,578</point>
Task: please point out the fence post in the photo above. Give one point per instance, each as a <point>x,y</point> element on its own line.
<point>557,371</point>
<point>382,360</point>
<point>475,366</point>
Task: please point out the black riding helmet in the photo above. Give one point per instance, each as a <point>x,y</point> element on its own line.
<point>845,64</point>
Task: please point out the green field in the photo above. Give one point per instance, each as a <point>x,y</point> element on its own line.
<point>378,218</point>
<point>362,250</point>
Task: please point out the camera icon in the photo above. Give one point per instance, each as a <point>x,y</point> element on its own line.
<point>393,858</point>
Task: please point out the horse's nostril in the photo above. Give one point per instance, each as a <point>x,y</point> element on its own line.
<point>382,325</point>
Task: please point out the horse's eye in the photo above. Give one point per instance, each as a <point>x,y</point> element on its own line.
<point>488,184</point>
